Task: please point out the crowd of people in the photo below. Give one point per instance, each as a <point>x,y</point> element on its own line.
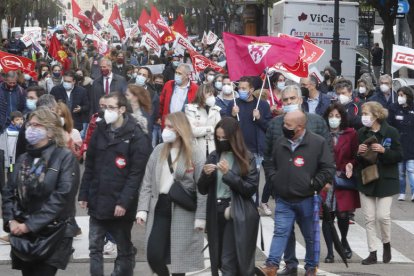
<point>182,156</point>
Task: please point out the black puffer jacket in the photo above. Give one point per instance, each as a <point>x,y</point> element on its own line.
<point>114,170</point>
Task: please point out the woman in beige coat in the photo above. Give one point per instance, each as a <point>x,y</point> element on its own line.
<point>174,235</point>
<point>204,114</point>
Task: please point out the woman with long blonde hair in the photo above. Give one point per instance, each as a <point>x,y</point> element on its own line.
<point>174,232</point>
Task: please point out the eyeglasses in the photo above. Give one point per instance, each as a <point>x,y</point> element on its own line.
<point>109,107</point>
<point>33,124</point>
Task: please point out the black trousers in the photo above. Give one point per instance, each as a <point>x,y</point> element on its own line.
<point>39,269</point>
<point>227,245</point>
<point>159,243</point>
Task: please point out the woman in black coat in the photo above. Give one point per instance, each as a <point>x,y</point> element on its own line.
<point>40,192</point>
<point>230,179</point>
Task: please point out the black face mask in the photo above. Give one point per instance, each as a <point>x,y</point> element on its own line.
<point>305,92</point>
<point>224,145</point>
<point>326,77</point>
<point>158,87</point>
<point>288,133</point>
<point>101,114</point>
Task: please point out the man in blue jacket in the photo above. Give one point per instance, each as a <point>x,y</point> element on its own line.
<point>314,101</point>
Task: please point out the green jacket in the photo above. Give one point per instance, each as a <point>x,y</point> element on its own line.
<point>388,182</point>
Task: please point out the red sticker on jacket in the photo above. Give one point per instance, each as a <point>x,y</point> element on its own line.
<point>299,161</point>
<point>120,162</point>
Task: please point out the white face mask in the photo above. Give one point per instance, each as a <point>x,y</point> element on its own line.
<point>110,116</point>
<point>362,90</point>
<point>384,88</point>
<point>211,101</point>
<point>227,89</point>
<point>168,136</point>
<point>366,121</point>
<point>402,100</point>
<point>334,122</point>
<point>281,85</point>
<point>62,121</point>
<point>343,99</point>
<point>210,78</point>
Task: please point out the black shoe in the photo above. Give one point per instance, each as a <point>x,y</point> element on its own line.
<point>386,256</point>
<point>291,271</point>
<point>329,259</point>
<point>371,259</point>
<point>347,249</point>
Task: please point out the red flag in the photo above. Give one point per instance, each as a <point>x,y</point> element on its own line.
<point>179,26</point>
<point>250,55</point>
<point>84,22</point>
<point>10,62</point>
<point>95,15</point>
<point>78,42</point>
<point>116,23</point>
<point>157,19</point>
<point>299,69</point>
<point>147,26</point>
<point>200,62</point>
<point>57,52</point>
<point>310,53</point>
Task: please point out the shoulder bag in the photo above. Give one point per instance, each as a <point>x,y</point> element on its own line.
<point>180,195</point>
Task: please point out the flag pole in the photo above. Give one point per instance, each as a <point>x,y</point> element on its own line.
<point>270,89</point>
<point>234,100</point>
<point>261,91</point>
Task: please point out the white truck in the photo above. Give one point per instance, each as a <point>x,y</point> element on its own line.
<point>316,20</point>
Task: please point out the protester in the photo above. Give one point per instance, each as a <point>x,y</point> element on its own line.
<point>402,118</point>
<point>343,88</point>
<point>278,83</point>
<point>218,84</point>
<point>110,183</point>
<point>119,66</point>
<point>230,179</point>
<point>56,78</point>
<point>341,201</point>
<point>33,94</point>
<point>226,96</point>
<point>203,115</point>
<point>384,93</point>
<point>174,235</point>
<point>140,102</point>
<point>329,76</point>
<point>313,100</point>
<point>376,195</point>
<point>32,211</point>
<point>365,90</point>
<point>72,136</point>
<point>377,55</point>
<point>295,184</point>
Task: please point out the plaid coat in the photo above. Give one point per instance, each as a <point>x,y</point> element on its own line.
<point>186,242</point>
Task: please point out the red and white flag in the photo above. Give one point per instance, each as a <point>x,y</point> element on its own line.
<point>200,62</point>
<point>73,29</point>
<point>310,53</point>
<point>159,21</point>
<point>116,23</point>
<point>250,55</point>
<point>95,15</point>
<point>402,57</point>
<point>181,44</point>
<point>85,22</point>
<point>219,47</point>
<point>147,26</point>
<point>211,38</point>
<point>150,43</point>
<point>11,62</point>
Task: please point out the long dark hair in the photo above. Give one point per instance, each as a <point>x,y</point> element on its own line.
<point>341,111</point>
<point>233,133</point>
<point>408,93</point>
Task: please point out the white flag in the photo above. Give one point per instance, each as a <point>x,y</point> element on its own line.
<point>219,47</point>
<point>150,43</point>
<point>204,39</point>
<point>402,56</point>
<point>181,44</point>
<point>211,38</point>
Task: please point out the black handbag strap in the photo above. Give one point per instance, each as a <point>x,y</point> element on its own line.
<point>170,165</point>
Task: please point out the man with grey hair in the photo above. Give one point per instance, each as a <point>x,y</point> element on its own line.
<point>292,101</point>
<point>384,93</point>
<point>177,93</point>
<point>108,82</point>
<point>12,98</point>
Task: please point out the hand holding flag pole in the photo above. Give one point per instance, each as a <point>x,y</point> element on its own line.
<point>268,74</point>
<point>234,99</point>
<point>260,94</point>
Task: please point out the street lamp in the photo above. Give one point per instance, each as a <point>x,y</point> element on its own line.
<point>336,54</point>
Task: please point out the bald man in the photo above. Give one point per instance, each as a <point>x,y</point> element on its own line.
<point>302,164</point>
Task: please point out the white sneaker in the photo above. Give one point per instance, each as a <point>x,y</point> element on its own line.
<point>266,209</point>
<point>402,197</point>
<point>109,248</point>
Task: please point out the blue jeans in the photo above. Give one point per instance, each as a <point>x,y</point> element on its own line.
<point>285,215</point>
<point>156,135</point>
<point>406,168</point>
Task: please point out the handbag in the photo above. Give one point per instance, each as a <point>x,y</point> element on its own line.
<point>180,195</point>
<point>369,174</point>
<point>38,246</point>
<point>344,183</point>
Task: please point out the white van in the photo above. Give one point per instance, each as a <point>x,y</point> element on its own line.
<point>35,32</point>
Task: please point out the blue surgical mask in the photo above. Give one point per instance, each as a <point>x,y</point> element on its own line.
<point>140,80</point>
<point>175,63</point>
<point>281,85</point>
<point>178,79</point>
<point>243,95</point>
<point>218,85</point>
<point>31,104</point>
<point>56,74</point>
<point>67,85</point>
<point>290,108</point>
